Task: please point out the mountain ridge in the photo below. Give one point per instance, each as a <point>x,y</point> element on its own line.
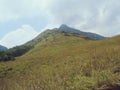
<point>91,35</point>
<point>65,29</point>
<point>3,48</point>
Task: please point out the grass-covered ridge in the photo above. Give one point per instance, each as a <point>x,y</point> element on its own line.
<point>65,62</point>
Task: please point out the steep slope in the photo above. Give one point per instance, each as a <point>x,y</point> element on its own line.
<point>2,48</point>
<point>65,61</point>
<point>39,38</point>
<point>22,49</point>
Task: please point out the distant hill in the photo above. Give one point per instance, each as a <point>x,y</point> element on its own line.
<point>2,48</point>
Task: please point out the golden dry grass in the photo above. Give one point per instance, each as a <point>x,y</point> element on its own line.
<point>64,63</point>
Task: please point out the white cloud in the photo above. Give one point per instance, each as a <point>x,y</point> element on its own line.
<point>16,9</point>
<point>88,15</point>
<point>19,36</point>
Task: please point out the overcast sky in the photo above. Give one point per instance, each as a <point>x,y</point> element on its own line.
<point>22,20</point>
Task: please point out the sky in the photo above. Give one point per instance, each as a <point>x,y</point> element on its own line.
<point>23,20</point>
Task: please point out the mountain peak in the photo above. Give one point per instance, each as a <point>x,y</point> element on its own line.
<point>63,26</point>
<point>66,28</point>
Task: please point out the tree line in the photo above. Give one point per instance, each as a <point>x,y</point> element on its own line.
<point>10,54</point>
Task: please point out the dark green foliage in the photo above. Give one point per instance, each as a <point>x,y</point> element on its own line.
<point>19,50</point>
<point>5,56</point>
<point>14,52</point>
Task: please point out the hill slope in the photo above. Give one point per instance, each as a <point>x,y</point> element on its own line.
<point>2,48</point>
<point>20,50</point>
<point>65,62</point>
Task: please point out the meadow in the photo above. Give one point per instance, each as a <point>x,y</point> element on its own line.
<point>65,62</point>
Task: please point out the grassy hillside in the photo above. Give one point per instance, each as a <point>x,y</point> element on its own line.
<point>65,62</point>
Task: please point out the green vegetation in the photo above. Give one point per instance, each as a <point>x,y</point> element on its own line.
<point>11,53</point>
<point>19,50</point>
<point>65,61</point>
<point>5,56</point>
